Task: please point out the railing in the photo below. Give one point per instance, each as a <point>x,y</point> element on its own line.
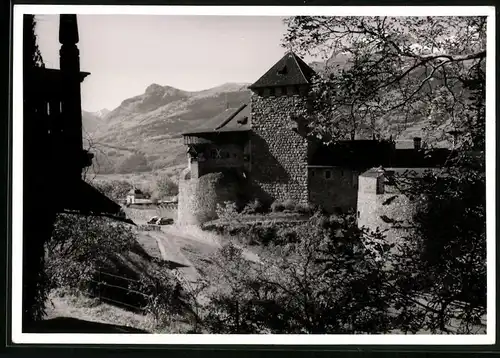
<point>102,284</point>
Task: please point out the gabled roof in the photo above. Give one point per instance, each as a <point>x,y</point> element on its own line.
<point>231,120</point>
<point>290,70</point>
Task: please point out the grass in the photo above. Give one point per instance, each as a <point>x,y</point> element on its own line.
<point>73,304</point>
<point>63,303</point>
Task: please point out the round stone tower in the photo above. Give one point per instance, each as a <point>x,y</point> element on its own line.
<point>198,197</point>
<point>381,205</point>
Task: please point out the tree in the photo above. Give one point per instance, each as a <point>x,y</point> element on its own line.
<point>80,245</point>
<point>430,70</point>
<point>115,189</point>
<point>328,278</point>
<point>165,187</point>
<point>400,69</point>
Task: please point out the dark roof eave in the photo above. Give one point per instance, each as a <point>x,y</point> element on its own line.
<point>274,86</point>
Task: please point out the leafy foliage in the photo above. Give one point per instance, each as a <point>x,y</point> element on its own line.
<point>330,280</point>
<point>165,187</point>
<point>329,276</point>
<point>80,245</point>
<point>227,210</point>
<point>399,70</point>
<point>163,294</point>
<point>115,190</point>
<point>254,207</point>
<point>447,254</point>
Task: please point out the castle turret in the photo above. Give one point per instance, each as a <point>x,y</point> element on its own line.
<point>279,146</point>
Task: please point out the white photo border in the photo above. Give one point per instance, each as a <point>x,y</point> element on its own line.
<point>291,339</point>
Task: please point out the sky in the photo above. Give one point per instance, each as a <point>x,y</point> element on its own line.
<point>127,53</point>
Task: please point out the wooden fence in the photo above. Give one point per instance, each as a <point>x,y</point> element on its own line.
<point>119,284</point>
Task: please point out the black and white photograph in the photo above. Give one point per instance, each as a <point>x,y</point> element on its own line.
<point>254,176</point>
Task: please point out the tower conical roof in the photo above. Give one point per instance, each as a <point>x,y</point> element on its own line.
<point>290,70</point>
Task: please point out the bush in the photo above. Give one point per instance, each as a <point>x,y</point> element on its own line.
<point>277,206</point>
<point>321,282</point>
<point>80,245</point>
<point>165,187</point>
<point>289,205</point>
<point>115,189</point>
<point>254,207</point>
<point>227,211</point>
<point>304,209</point>
<point>163,294</point>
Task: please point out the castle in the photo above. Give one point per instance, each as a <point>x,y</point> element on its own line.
<point>264,144</point>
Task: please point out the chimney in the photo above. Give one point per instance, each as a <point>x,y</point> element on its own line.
<point>417,143</point>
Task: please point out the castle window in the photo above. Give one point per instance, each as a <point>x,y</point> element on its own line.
<point>213,154</point>
<point>312,172</point>
<point>359,214</point>
<point>266,92</point>
<point>271,91</point>
<point>328,174</point>
<point>279,91</point>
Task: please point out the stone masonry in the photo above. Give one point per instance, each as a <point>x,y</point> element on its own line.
<point>333,189</point>
<point>279,154</point>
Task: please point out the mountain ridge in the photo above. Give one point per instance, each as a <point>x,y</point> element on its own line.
<point>146,128</point>
<point>144,132</point>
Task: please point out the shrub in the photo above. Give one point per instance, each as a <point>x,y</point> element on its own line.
<point>277,206</point>
<point>254,207</point>
<point>227,211</point>
<point>304,208</point>
<point>321,283</point>
<point>165,187</point>
<point>261,233</point>
<point>115,189</point>
<point>289,205</point>
<point>163,294</point>
<point>82,244</point>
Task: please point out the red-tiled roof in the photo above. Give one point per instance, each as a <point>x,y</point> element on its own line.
<point>290,70</point>
<point>231,120</point>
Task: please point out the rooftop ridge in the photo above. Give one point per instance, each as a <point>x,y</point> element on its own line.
<point>294,56</point>
<point>298,73</point>
<point>234,114</point>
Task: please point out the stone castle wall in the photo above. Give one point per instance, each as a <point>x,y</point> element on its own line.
<point>376,207</point>
<point>198,197</point>
<point>279,154</point>
<point>333,189</point>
